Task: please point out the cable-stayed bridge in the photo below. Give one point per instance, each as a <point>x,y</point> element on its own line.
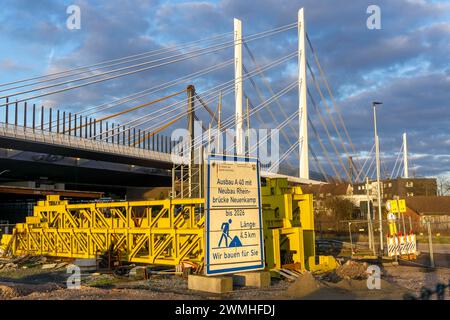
<point>135,129</point>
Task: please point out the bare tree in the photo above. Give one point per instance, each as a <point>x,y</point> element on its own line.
<point>339,209</point>
<point>443,185</point>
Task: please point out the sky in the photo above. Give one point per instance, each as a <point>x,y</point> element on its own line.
<point>405,64</point>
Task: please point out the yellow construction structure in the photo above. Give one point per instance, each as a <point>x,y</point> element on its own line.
<point>289,236</point>
<point>165,232</point>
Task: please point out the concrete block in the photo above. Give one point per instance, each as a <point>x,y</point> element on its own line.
<point>210,284</point>
<point>81,262</point>
<point>259,279</point>
<point>138,273</point>
<point>86,264</point>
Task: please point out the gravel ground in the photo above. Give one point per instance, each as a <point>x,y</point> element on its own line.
<point>414,278</point>
<point>37,284</point>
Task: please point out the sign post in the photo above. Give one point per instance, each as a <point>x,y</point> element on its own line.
<point>399,244</point>
<point>234,231</point>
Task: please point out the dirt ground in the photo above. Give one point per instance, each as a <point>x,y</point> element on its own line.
<point>39,284</point>
<point>107,286</point>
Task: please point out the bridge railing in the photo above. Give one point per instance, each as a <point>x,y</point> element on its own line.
<point>49,120</point>
<point>60,139</point>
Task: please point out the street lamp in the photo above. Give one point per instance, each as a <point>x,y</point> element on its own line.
<point>377,158</point>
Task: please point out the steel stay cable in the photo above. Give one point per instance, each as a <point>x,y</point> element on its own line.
<point>258,109</point>
<point>370,167</point>
<point>266,137</point>
<point>186,56</point>
<point>172,119</point>
<point>159,51</point>
<point>182,105</point>
<point>230,83</point>
<point>268,109</point>
<point>364,164</point>
<point>142,120</point>
<point>91,70</point>
<point>267,83</point>
<point>270,65</point>
<point>319,90</point>
<point>260,96</point>
<point>321,71</point>
<point>327,156</point>
<point>208,51</point>
<point>368,157</point>
<point>400,167</point>
<point>319,165</point>
<point>231,119</point>
<point>136,96</point>
<point>130,109</point>
<point>328,133</point>
<point>205,106</point>
<point>396,161</point>
<point>164,126</point>
<point>184,113</point>
<point>271,91</point>
<point>225,124</point>
<point>282,132</point>
<point>146,136</point>
<point>282,125</point>
<point>284,155</point>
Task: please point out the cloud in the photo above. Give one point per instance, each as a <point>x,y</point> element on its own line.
<point>405,64</point>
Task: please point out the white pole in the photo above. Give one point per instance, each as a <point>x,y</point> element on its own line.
<point>380,216</point>
<point>219,129</point>
<point>405,157</point>
<point>247,115</point>
<point>430,243</point>
<point>238,85</point>
<point>303,120</point>
<point>377,158</point>
<point>369,222</point>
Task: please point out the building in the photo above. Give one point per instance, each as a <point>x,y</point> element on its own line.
<point>436,209</point>
<point>401,187</point>
<point>333,203</point>
<point>321,191</point>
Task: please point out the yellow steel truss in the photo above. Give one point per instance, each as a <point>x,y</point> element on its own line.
<point>154,232</point>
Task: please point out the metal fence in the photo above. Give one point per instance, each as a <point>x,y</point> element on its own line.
<point>5,227</point>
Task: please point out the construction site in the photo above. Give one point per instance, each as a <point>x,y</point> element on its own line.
<point>200,188</point>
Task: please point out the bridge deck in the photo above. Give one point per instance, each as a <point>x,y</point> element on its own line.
<point>28,139</point>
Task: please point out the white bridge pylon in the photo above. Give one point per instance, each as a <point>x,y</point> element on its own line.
<point>238,86</point>
<point>303,115</point>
